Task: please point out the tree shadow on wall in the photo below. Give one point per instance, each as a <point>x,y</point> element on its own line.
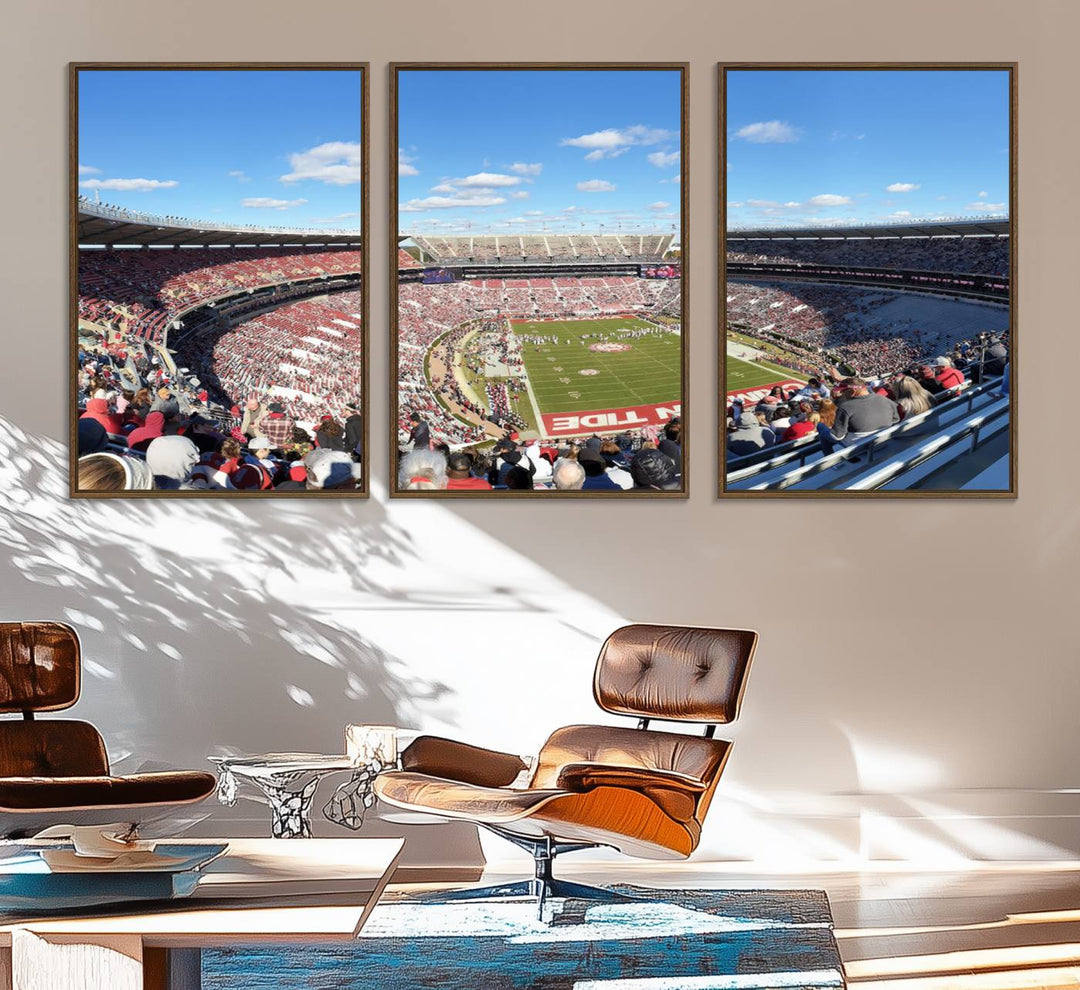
<point>198,636</point>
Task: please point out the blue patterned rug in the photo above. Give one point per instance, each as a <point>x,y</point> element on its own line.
<point>665,940</point>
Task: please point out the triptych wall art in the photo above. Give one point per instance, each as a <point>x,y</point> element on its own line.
<point>540,337</point>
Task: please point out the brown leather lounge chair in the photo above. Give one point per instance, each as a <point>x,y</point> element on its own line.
<point>643,792</point>
<point>55,771</point>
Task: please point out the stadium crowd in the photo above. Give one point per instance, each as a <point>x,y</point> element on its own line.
<point>833,324</point>
<point>306,354</point>
<point>146,425</point>
<point>971,255</point>
<point>840,410</point>
<point>638,461</point>
<point>536,248</point>
<point>141,291</point>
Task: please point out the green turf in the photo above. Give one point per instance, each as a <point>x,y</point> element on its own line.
<point>748,374</point>
<point>650,372</point>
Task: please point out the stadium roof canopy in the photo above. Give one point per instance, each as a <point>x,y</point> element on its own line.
<point>100,224</point>
<point>952,227</point>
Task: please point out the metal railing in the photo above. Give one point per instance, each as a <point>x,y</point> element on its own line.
<point>802,449</point>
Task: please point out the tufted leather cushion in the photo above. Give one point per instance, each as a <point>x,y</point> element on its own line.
<point>438,757</point>
<point>33,793</point>
<point>51,748</point>
<point>39,666</point>
<point>679,673</point>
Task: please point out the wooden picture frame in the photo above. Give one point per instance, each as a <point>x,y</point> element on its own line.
<point>116,224</point>
<point>395,412</point>
<point>774,472</point>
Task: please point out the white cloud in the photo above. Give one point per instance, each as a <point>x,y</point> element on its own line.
<point>89,170</point>
<point>240,175</point>
<point>827,199</point>
<point>614,141</point>
<point>520,194</point>
<point>486,180</point>
<point>984,207</point>
<point>902,187</point>
<point>449,202</point>
<point>983,194</point>
<point>676,179</point>
<point>899,215</point>
<point>355,215</point>
<point>129,185</point>
<point>269,203</point>
<point>658,205</point>
<point>768,132</point>
<point>336,163</point>
<point>595,186</point>
<point>663,159</point>
<point>530,169</point>
<point>404,164</point>
<point>534,213</point>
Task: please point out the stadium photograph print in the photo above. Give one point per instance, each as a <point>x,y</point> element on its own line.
<point>537,290</point>
<point>868,272</point>
<point>218,295</point>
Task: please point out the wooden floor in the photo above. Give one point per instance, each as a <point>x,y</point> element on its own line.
<point>1006,926</point>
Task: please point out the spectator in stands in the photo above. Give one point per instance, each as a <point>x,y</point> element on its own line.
<point>948,377</point>
<point>254,411</point>
<point>171,461</point>
<point>995,358</point>
<point>92,437</point>
<point>518,479</point>
<point>277,426</point>
<point>926,378</point>
<point>354,428</point>
<point>331,470</point>
<point>617,464</point>
<point>803,422</point>
<point>812,391</point>
<point>748,436</point>
<point>911,397</point>
<point>827,411</point>
<point>166,404</point>
<point>259,449</point>
<point>331,434</point>
<point>108,472</point>
<point>568,475</point>
<point>459,474</point>
<point>422,469</point>
<point>653,470</point>
<point>862,413</point>
<point>671,444</point>
<point>98,408</point>
<point>140,438</point>
<point>596,476</point>
<point>420,432</point>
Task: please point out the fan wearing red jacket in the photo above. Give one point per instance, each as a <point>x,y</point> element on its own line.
<point>946,375</point>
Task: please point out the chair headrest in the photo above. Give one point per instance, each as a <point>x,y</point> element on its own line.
<point>677,673</point>
<point>39,666</point>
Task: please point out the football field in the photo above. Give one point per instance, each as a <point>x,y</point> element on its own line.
<point>570,375</point>
<point>743,375</point>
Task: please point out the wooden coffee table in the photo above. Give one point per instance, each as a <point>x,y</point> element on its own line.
<point>261,890</point>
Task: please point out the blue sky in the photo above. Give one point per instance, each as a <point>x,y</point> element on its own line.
<point>492,151</point>
<point>859,145</point>
<point>280,148</point>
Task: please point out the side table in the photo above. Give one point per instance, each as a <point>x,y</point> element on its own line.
<point>288,780</point>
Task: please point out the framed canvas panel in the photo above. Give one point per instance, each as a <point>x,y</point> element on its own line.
<point>538,286</point>
<point>868,280</point>
<point>218,290</point>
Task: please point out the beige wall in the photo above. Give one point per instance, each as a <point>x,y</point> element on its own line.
<point>919,660</point>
